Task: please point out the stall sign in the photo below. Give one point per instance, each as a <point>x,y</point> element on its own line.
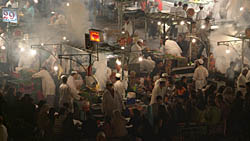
<point>9,15</point>
<point>96,35</point>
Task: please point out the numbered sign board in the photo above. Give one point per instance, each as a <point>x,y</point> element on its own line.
<point>9,15</point>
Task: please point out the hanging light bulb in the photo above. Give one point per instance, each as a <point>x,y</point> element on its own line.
<point>193,40</point>
<point>118,62</point>
<point>241,8</point>
<point>182,23</point>
<point>159,23</point>
<point>32,52</point>
<point>42,44</point>
<point>64,38</point>
<point>22,49</point>
<point>3,47</point>
<point>203,26</point>
<point>228,51</point>
<point>140,59</point>
<point>122,47</point>
<point>67,4</point>
<point>55,68</point>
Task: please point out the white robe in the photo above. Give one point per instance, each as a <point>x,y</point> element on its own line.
<point>200,76</point>
<point>157,91</point>
<point>73,84</point>
<point>171,47</point>
<point>135,54</point>
<point>129,28</point>
<point>48,84</point>
<point>109,103</point>
<point>119,87</point>
<point>66,96</point>
<point>241,81</point>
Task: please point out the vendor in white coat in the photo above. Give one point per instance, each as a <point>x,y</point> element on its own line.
<point>128,26</point>
<point>159,90</point>
<point>66,96</point>
<point>200,75</point>
<point>111,100</point>
<point>241,81</point>
<point>74,83</point>
<point>201,16</point>
<point>136,52</point>
<point>48,85</point>
<point>119,86</point>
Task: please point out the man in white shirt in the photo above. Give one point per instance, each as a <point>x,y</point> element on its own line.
<point>200,75</point>
<point>73,82</point>
<point>119,86</point>
<point>179,8</point>
<point>136,52</point>
<point>173,10</point>
<point>201,15</point>
<point>159,90</point>
<point>242,80</point>
<point>66,96</point>
<point>12,4</point>
<point>48,85</point>
<point>182,12</point>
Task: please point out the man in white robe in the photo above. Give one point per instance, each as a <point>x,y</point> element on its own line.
<point>74,83</point>
<point>171,47</point>
<point>242,80</point>
<point>136,52</point>
<point>119,86</point>
<point>66,96</point>
<point>200,75</point>
<point>111,100</point>
<point>48,85</point>
<point>159,90</point>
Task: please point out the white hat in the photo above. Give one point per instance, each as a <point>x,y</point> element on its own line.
<point>73,72</point>
<point>118,75</point>
<point>164,75</point>
<point>63,76</point>
<point>200,61</point>
<point>140,40</point>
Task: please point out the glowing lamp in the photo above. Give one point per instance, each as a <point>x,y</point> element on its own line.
<point>95,35</point>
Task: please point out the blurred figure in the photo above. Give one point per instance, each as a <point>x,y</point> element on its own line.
<point>48,85</point>
<point>136,52</point>
<point>111,100</point>
<point>173,10</point>
<point>159,90</point>
<point>3,131</point>
<point>119,86</point>
<point>128,26</point>
<point>230,75</point>
<point>74,83</point>
<point>241,81</point>
<point>66,95</point>
<point>200,75</point>
<point>201,16</point>
<point>118,123</point>
<point>101,136</point>
<point>12,4</point>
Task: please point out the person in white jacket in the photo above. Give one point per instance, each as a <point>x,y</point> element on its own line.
<point>201,15</point>
<point>242,80</point>
<point>48,85</point>
<point>200,75</point>
<point>119,86</point>
<point>66,96</point>
<point>74,83</point>
<point>136,52</point>
<point>159,90</point>
<point>111,100</point>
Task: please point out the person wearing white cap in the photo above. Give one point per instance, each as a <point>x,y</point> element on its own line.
<point>242,80</point>
<point>66,96</point>
<point>136,52</point>
<point>48,85</point>
<point>159,90</point>
<point>163,75</point>
<point>72,82</point>
<point>200,75</point>
<point>119,86</point>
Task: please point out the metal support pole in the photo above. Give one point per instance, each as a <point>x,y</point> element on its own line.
<point>242,53</point>
<point>94,6</point>
<point>61,53</point>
